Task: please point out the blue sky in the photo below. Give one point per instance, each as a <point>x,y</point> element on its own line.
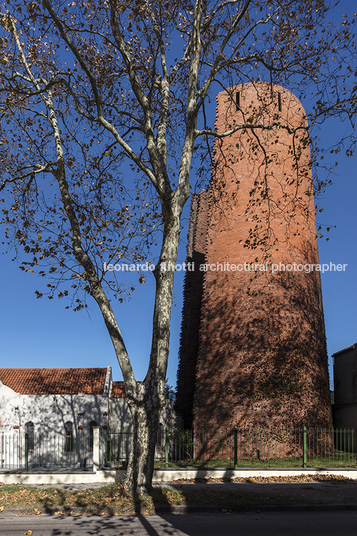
<point>41,333</point>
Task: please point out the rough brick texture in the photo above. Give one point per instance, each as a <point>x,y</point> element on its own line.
<point>253,348</point>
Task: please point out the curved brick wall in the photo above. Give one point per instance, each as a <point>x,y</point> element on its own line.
<point>255,351</point>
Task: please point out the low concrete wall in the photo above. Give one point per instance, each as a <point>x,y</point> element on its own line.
<point>110,476</point>
<point>106,476</point>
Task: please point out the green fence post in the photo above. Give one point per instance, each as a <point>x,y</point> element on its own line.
<point>352,446</point>
<point>26,452</point>
<point>304,457</point>
<point>235,447</point>
<point>166,448</point>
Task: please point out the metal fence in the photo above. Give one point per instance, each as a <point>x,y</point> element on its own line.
<point>118,447</point>
<point>45,451</point>
<point>260,447</point>
<point>298,447</point>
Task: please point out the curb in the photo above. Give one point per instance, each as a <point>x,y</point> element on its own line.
<point>192,509</point>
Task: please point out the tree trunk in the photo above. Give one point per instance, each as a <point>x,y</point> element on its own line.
<point>141,460</point>
<point>150,400</point>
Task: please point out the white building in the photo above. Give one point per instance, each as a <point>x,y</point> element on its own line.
<point>57,409</point>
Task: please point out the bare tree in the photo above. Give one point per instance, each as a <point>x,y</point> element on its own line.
<point>90,88</point>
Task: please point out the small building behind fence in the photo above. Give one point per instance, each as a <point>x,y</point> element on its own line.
<point>345,390</point>
<point>58,408</point>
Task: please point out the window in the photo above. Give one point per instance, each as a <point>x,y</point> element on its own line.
<point>30,432</point>
<point>238,99</point>
<point>91,426</point>
<point>69,436</point>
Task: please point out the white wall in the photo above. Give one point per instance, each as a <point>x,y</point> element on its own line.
<point>49,413</point>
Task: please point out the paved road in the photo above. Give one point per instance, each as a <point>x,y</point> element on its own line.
<point>250,524</point>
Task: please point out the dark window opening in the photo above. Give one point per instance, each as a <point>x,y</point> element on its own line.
<point>279,101</point>
<point>238,100</point>
<point>30,431</point>
<point>69,436</point>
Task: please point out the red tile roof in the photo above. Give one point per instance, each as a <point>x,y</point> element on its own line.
<point>118,390</point>
<point>33,381</point>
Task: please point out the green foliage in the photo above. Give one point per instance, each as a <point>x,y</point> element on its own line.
<point>170,393</point>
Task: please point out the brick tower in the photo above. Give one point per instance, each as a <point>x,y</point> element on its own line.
<point>253,350</point>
